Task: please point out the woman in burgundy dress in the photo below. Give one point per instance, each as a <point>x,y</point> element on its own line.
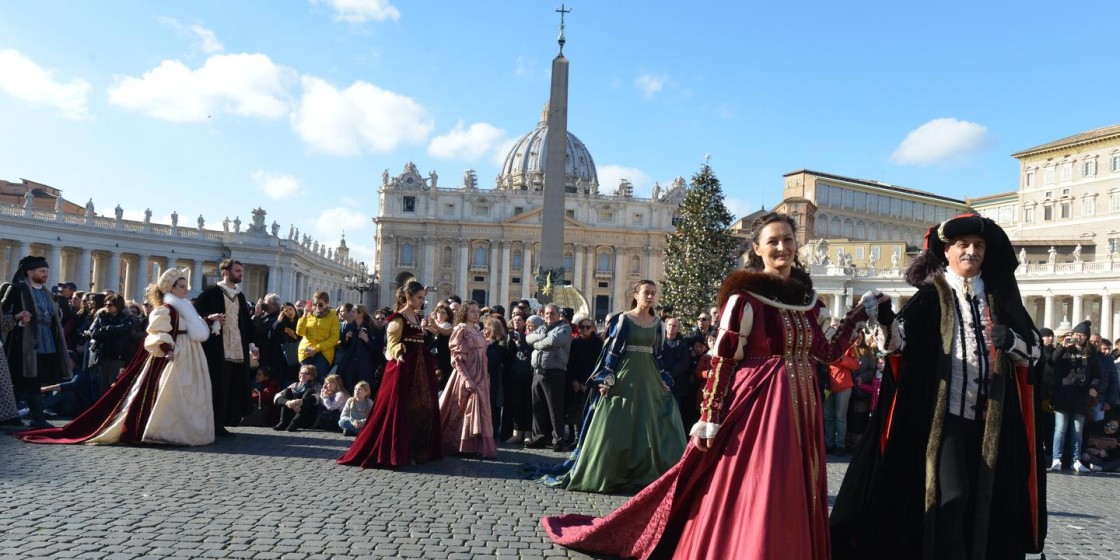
<point>752,482</point>
<point>403,428</point>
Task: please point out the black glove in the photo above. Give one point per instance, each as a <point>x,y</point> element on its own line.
<point>1002,337</point>
<point>884,314</point>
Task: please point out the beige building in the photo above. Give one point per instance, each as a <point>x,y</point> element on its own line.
<point>484,244</point>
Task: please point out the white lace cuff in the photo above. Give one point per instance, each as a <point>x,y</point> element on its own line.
<point>705,430</point>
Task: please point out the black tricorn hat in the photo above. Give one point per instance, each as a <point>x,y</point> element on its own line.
<point>999,256</point>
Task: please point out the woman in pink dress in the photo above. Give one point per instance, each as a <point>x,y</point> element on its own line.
<point>464,406</point>
<point>752,482</point>
<point>403,428</point>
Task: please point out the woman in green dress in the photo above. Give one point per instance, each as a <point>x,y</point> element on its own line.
<point>632,428</point>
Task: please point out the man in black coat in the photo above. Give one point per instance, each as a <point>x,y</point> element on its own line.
<point>36,348</point>
<point>227,350</point>
<point>951,463</point>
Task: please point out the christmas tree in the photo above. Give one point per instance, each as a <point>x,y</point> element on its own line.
<point>701,252</point>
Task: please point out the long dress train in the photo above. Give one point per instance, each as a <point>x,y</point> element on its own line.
<point>155,400</point>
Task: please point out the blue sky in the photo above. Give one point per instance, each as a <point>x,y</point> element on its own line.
<point>215,108</point>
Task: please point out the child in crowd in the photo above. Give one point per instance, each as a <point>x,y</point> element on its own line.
<point>356,410</point>
<point>333,397</point>
<point>262,392</point>
<point>299,402</point>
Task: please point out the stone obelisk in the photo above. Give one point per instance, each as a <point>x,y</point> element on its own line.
<point>551,270</point>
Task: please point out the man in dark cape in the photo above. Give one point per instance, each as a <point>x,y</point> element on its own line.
<point>36,349</point>
<point>951,465</point>
<point>228,363</point>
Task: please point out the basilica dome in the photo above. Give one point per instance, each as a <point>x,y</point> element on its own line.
<point>523,168</point>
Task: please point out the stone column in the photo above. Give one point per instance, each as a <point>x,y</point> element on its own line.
<point>82,278</point>
<point>896,302</point>
<point>495,272</point>
<point>18,251</point>
<point>577,268</point>
<point>388,267</point>
<point>1048,311</point>
<point>55,263</point>
<point>620,284</point>
<point>428,273</point>
<point>505,274</point>
<point>464,250</point>
<point>144,269</point>
<point>271,283</point>
<point>1078,313</point>
<point>838,304</point>
<point>1106,316</point>
<point>527,271</point>
<point>114,280</point>
<point>196,276</point>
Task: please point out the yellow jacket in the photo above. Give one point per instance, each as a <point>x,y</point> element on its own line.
<point>320,333</point>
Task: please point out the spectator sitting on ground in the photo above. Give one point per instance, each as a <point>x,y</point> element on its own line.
<point>332,398</point>
<point>356,410</point>
<point>263,391</point>
<point>73,397</point>
<point>299,401</point>
<point>1102,450</point>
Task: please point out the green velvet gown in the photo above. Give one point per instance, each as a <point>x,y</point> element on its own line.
<point>635,433</point>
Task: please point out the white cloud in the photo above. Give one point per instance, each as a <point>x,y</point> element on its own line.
<point>940,140</point>
<point>361,11</point>
<point>609,176</point>
<point>338,219</point>
<point>467,144</point>
<point>23,79</point>
<point>362,117</point>
<point>277,186</point>
<point>207,42</point>
<point>502,151</point>
<point>358,251</point>
<point>247,85</point>
<point>650,84</point>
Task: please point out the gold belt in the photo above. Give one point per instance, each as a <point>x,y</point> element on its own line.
<point>407,339</point>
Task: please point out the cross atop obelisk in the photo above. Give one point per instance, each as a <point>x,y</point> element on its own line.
<point>561,39</point>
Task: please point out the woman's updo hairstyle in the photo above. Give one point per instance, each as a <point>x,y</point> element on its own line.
<point>754,262</point>
<point>407,290</point>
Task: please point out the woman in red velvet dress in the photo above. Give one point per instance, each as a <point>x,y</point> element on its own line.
<point>403,428</point>
<point>752,482</point>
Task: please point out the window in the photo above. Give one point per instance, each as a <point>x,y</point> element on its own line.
<point>822,194</point>
<point>834,196</point>
<point>409,204</point>
<point>884,205</point>
<point>859,252</point>
<point>1030,179</point>
<point>1028,215</point>
<point>481,256</point>
<point>1089,168</point>
<point>849,198</point>
<point>929,213</point>
<point>407,255</point>
<point>1088,206</point>
<point>1115,163</point>
<point>604,263</point>
<point>446,259</point>
<point>1114,201</point>
<point>834,226</point>
<point>861,230</point>
<point>1067,171</point>
<point>874,255</point>
<point>635,265</point>
<point>1065,192</point>
<point>1065,208</point>
<point>872,203</point>
<point>518,210</point>
<point>570,213</point>
<point>636,220</point>
<point>676,220</point>
<point>861,201</point>
<point>1047,213</point>
<point>568,261</point>
<point>515,280</point>
<point>848,229</point>
<point>1114,244</point>
<point>481,209</point>
<point>517,260</point>
<point>908,209</point>
<point>606,216</point>
<point>1049,194</point>
<point>449,209</point>
<point>873,233</point>
<point>896,207</point>
<point>1048,175</point>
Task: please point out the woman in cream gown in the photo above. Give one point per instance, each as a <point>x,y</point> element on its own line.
<point>163,395</point>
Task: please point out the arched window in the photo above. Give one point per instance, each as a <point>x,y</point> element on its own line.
<point>481,256</point>
<point>446,260</point>
<point>635,265</point>
<point>407,255</point>
<point>568,262</point>
<point>861,230</point>
<point>604,264</point>
<point>848,229</point>
<point>873,234</point>
<point>516,260</point>
<point>834,226</point>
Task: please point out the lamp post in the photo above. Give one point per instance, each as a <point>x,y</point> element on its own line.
<point>362,283</point>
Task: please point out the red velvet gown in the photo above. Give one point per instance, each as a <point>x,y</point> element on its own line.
<point>403,427</point>
<point>761,491</point>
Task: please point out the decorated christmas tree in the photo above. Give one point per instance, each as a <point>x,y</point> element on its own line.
<point>701,252</point>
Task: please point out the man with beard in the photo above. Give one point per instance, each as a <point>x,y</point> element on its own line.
<point>227,350</point>
<point>951,464</point>
<point>36,349</point>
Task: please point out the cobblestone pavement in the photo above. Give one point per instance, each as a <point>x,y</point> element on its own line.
<point>268,495</point>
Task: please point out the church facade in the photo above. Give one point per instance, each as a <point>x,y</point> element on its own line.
<point>484,243</point>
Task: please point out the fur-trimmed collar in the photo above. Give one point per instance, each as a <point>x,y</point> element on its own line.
<point>797,290</point>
